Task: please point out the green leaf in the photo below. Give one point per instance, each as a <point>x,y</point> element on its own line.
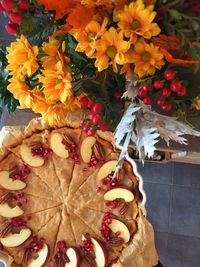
<point>175,14</point>
<point>195,25</point>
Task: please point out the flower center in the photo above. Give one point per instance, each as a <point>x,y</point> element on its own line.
<point>135,24</point>
<point>58,81</point>
<point>146,56</point>
<point>91,36</point>
<point>111,52</point>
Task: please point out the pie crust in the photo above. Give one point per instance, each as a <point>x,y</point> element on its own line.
<point>64,200</point>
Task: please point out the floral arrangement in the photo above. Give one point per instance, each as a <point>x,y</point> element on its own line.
<point>133,66</point>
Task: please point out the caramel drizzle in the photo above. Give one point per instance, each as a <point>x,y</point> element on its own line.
<point>6,230</point>
<point>98,151</point>
<point>123,207</point>
<point>89,260</point>
<point>67,139</point>
<point>116,241</point>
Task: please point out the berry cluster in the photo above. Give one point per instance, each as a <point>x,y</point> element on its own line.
<point>14,10</point>
<point>169,88</point>
<point>36,244</point>
<point>105,231</point>
<point>43,152</point>
<point>87,243</point>
<point>109,181</point>
<point>18,222</point>
<point>20,199</point>
<point>94,121</point>
<point>72,149</point>
<point>61,252</point>
<point>22,174</point>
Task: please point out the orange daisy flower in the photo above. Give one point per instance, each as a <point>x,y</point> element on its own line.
<point>147,58</point>
<point>136,19</point>
<point>111,49</point>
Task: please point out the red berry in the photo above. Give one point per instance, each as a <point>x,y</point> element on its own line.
<point>90,104</point>
<point>90,132</point>
<point>167,106</point>
<point>169,75</point>
<point>121,104</point>
<point>147,100</point>
<point>104,127</point>
<point>92,116</point>
<point>117,94</point>
<point>175,86</point>
<point>141,92</point>
<point>158,84</point>
<point>146,87</point>
<point>84,102</point>
<point>97,108</point>
<point>160,101</point>
<point>7,4</point>
<point>86,128</point>
<point>24,4</point>
<point>166,92</point>
<point>181,91</point>
<point>15,17</point>
<point>11,28</point>
<point>96,119</point>
<point>1,8</point>
<point>82,122</point>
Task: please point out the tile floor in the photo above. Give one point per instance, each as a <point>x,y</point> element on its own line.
<point>173,200</point>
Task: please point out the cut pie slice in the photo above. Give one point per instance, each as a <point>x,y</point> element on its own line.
<point>98,151</point>
<point>32,152</point>
<point>65,230</point>
<point>61,157</point>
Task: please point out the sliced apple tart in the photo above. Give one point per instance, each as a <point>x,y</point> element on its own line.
<point>60,204</point>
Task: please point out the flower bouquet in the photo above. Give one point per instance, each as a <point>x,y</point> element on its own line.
<point>133,66</point>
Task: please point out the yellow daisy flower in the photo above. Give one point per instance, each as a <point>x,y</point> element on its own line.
<point>136,19</point>
<point>111,49</point>
<point>86,38</point>
<point>22,58</point>
<point>147,58</point>
<point>55,52</point>
<point>20,91</point>
<point>57,83</point>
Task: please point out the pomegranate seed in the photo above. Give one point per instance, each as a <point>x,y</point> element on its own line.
<point>104,127</point>
<point>160,101</point>
<point>97,108</point>
<point>86,128</point>
<point>84,102</point>
<point>90,132</point>
<point>117,94</point>
<point>175,86</point>
<point>166,92</point>
<point>98,189</point>
<point>147,100</point>
<point>96,119</point>
<point>104,181</point>
<point>24,4</point>
<point>146,87</point>
<point>90,104</point>
<point>82,122</point>
<point>169,75</point>
<point>142,93</point>
<point>181,91</point>
<point>7,4</point>
<point>157,84</point>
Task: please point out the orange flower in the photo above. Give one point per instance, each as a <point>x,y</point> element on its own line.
<point>105,3</point>
<point>86,38</point>
<point>111,49</point>
<point>55,52</point>
<point>147,58</point>
<point>22,58</point>
<point>57,83</point>
<point>173,60</point>
<point>80,16</point>
<point>20,91</point>
<point>136,19</point>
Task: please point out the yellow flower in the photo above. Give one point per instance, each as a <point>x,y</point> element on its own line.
<point>111,49</point>
<point>197,103</point>
<point>55,52</point>
<point>136,19</point>
<point>86,38</point>
<point>20,91</point>
<point>147,58</point>
<point>22,58</point>
<point>57,83</point>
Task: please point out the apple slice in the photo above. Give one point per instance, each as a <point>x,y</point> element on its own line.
<point>101,254</point>
<point>33,161</point>
<point>57,146</point>
<point>15,240</point>
<point>118,226</point>
<point>86,148</point>
<point>106,169</point>
<point>9,212</point>
<point>119,192</point>
<point>74,257</point>
<point>42,256</point>
<point>10,184</point>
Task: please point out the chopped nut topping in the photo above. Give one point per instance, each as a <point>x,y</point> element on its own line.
<point>67,139</point>
<point>116,241</point>
<point>98,151</point>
